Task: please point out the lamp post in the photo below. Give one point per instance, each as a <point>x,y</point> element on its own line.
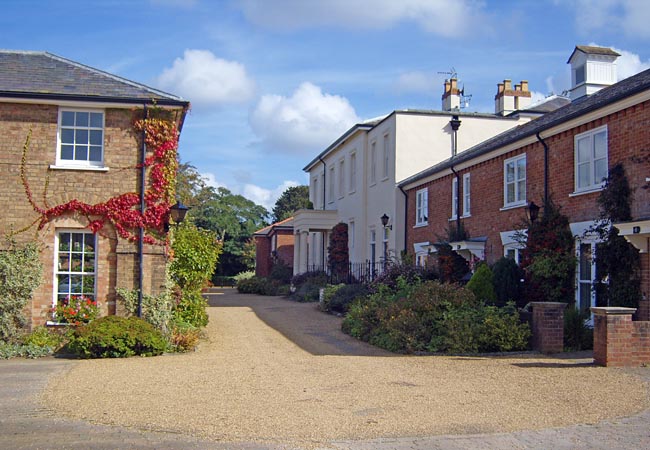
<point>178,212</point>
<point>532,211</point>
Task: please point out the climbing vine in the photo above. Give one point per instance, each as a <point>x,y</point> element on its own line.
<point>123,211</point>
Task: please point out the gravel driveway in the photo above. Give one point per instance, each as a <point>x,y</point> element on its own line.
<point>277,372</point>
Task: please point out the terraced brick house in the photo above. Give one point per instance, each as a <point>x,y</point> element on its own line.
<point>564,155</point>
<point>355,179</point>
<point>82,148</point>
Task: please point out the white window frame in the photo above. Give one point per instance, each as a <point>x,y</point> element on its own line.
<point>511,243</point>
<point>467,190</point>
<point>386,164</point>
<point>331,184</point>
<point>373,243</point>
<point>353,172</point>
<point>373,162</point>
<point>454,197</point>
<point>422,207</point>
<point>518,199</point>
<point>588,137</point>
<point>314,195</point>
<point>351,239</point>
<point>78,163</point>
<point>384,240</point>
<point>341,178</point>
<point>59,271</point>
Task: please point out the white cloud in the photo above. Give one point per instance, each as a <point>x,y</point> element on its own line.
<point>204,79</point>
<point>266,197</point>
<point>307,121</point>
<point>211,180</point>
<point>441,17</point>
<point>629,17</point>
<point>418,82</point>
<point>629,64</point>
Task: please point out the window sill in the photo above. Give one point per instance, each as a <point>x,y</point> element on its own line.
<point>452,219</point>
<point>385,179</point>
<point>586,191</point>
<point>421,225</point>
<point>83,168</point>
<point>513,206</point>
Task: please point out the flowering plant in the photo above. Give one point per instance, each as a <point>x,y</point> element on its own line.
<point>76,310</point>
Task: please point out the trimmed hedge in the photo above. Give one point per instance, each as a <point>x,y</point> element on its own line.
<point>117,337</point>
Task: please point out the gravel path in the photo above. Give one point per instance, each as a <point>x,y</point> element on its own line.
<point>252,383</point>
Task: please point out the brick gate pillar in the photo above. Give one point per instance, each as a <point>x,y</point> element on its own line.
<point>548,326</point>
<point>613,336</point>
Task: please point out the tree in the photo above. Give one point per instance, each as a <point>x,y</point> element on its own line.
<point>617,261</point>
<point>548,259</point>
<point>339,257</point>
<point>292,199</point>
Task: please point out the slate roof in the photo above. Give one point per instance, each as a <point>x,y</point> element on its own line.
<point>593,51</point>
<point>26,74</point>
<point>579,107</point>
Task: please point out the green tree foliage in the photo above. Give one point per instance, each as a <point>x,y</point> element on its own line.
<point>195,255</point>
<point>233,217</point>
<point>507,276</point>
<point>20,274</point>
<point>451,266</point>
<point>292,199</point>
<point>617,261</point>
<point>548,259</point>
<point>481,284</point>
<point>338,257</point>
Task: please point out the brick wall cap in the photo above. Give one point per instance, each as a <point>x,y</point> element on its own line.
<point>547,305</point>
<point>612,311</point>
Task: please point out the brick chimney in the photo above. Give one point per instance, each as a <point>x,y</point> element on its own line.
<point>451,96</point>
<point>508,100</point>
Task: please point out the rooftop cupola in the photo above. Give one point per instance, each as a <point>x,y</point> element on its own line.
<point>592,68</point>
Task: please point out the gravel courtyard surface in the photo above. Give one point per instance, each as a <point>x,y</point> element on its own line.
<point>252,383</point>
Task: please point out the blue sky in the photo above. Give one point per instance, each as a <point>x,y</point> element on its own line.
<point>274,82</point>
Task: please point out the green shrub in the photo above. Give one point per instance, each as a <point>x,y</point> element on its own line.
<point>20,275</point>
<point>436,317</point>
<point>117,337</point>
<point>481,284</point>
<point>244,275</point>
<point>31,351</point>
<point>45,337</point>
<point>191,309</point>
<point>185,337</point>
<point>578,334</point>
<point>406,272</point>
<point>328,292</point>
<point>507,276</point>
<point>196,252</point>
<point>281,272</point>
<point>502,330</point>
<point>343,297</point>
<point>261,286</point>
<point>307,292</point>
<point>156,309</point>
<point>317,277</point>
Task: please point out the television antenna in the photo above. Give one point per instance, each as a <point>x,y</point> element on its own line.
<point>464,98</point>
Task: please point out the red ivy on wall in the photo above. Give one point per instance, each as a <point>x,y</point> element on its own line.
<point>123,211</point>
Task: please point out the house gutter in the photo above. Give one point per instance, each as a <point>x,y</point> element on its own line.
<point>539,138</point>
<point>406,215</point>
<point>143,169</point>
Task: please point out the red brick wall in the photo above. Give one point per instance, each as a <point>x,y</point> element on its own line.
<point>548,327</point>
<point>263,249</point>
<point>628,141</point>
<point>121,155</point>
<point>618,341</point>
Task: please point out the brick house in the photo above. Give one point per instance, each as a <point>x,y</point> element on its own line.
<point>273,244</point>
<point>564,155</point>
<point>82,147</point>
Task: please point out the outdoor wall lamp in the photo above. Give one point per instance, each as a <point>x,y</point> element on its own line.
<point>532,211</point>
<point>178,212</point>
<point>384,222</point>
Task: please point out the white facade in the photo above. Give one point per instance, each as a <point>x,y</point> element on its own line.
<point>357,176</point>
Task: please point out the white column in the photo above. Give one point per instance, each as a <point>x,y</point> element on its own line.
<point>296,253</point>
<point>304,257</point>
